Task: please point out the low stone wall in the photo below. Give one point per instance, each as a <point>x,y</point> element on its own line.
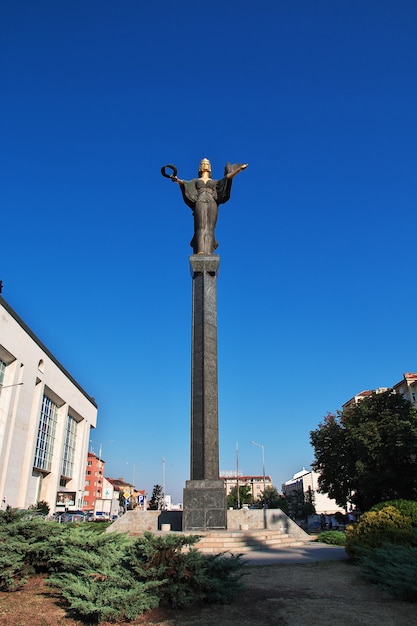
<point>138,521</point>
<point>237,519</point>
<point>256,519</point>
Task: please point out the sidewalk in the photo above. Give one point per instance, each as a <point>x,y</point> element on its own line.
<point>307,553</point>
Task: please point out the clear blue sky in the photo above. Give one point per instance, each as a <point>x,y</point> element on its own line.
<point>317,290</point>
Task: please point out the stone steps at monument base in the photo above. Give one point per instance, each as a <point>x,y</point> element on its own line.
<point>237,541</point>
<point>243,541</point>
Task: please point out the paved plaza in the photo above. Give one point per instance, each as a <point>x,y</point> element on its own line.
<point>306,553</point>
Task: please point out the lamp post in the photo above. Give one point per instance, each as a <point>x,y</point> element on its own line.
<point>163,484</point>
<point>263,475</point>
<point>100,449</point>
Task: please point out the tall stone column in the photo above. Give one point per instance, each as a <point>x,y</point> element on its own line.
<point>204,494</point>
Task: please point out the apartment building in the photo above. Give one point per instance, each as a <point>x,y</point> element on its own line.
<point>94,482</point>
<point>256,484</point>
<point>407,387</point>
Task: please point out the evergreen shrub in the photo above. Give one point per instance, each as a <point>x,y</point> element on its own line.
<point>24,549</point>
<point>332,537</point>
<point>188,576</point>
<point>39,536</point>
<point>88,569</point>
<point>393,568</point>
<point>110,576</point>
<point>376,528</point>
<point>41,508</point>
<point>14,568</point>
<point>10,515</point>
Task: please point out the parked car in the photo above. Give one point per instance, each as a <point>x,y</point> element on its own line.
<point>70,516</point>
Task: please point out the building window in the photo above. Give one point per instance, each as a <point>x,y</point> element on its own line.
<point>46,435</point>
<point>69,446</point>
<point>2,372</point>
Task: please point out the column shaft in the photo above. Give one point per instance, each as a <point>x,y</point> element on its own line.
<point>204,385</point>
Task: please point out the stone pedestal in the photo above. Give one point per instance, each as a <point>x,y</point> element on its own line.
<point>204,495</point>
<point>204,505</point>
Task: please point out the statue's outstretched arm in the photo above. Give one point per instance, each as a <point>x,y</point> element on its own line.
<point>239,168</point>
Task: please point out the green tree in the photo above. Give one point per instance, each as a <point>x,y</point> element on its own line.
<point>40,507</point>
<point>245,496</point>
<point>333,459</point>
<point>308,506</point>
<point>368,453</point>
<point>296,503</point>
<point>156,503</point>
<point>272,499</point>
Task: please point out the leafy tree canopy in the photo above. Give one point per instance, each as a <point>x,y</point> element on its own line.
<point>368,453</point>
<point>40,507</point>
<point>272,499</point>
<point>156,503</point>
<point>299,504</point>
<point>245,496</point>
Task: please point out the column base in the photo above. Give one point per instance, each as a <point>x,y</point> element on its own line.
<point>204,505</point>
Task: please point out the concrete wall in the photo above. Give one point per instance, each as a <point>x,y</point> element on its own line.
<point>254,519</point>
<point>138,521</point>
<point>242,519</point>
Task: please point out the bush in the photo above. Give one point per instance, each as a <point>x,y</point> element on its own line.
<point>188,576</point>
<point>24,549</point>
<point>39,536</point>
<point>376,528</point>
<point>87,568</point>
<point>14,567</point>
<point>332,537</point>
<point>393,568</point>
<point>111,576</point>
<point>80,548</point>
<point>41,507</point>
<point>405,507</point>
<point>10,515</point>
<point>106,595</point>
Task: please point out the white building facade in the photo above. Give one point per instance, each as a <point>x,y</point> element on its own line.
<point>307,482</point>
<point>407,387</point>
<point>45,422</point>
<point>108,506</point>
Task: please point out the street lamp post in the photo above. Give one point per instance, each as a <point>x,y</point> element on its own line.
<point>263,475</point>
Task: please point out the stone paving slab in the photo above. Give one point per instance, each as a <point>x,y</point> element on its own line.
<point>307,553</point>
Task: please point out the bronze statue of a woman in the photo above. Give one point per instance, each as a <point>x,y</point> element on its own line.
<point>203,195</point>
